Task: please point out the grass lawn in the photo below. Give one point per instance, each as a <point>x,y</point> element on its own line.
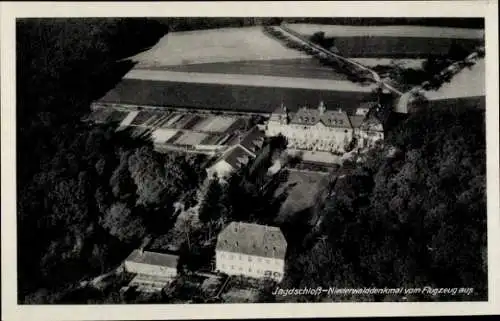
<point>305,187</point>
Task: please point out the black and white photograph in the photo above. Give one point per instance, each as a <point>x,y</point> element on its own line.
<point>205,160</point>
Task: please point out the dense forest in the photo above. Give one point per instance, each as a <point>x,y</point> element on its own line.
<point>87,195</point>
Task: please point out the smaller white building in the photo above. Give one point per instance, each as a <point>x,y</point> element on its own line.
<point>237,155</point>
<point>152,264</point>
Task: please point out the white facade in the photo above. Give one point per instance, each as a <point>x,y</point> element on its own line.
<point>316,137</point>
<point>222,169</point>
<point>150,269</point>
<point>368,139</point>
<point>249,265</point>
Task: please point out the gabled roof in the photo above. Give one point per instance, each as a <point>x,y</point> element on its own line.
<point>252,140</point>
<point>153,258</point>
<point>356,120</point>
<point>236,156</point>
<point>252,239</point>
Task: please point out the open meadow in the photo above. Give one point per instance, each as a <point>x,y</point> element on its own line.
<point>215,45</point>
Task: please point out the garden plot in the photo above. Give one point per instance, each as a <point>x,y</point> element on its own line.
<point>130,117</point>
<point>387,31</point>
<point>162,135</point>
<point>190,138</point>
<point>186,122</point>
<point>216,45</point>
<point>169,122</point>
<point>145,117</point>
<point>212,139</point>
<point>215,124</point>
<point>192,121</point>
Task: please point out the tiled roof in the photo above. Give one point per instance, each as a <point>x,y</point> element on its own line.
<point>253,140</point>
<point>153,258</point>
<point>252,239</point>
<point>330,118</point>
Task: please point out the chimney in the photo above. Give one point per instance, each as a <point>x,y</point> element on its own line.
<point>144,243</point>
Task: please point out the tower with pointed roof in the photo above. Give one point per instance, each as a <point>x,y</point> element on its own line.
<point>321,108</point>
<point>285,117</point>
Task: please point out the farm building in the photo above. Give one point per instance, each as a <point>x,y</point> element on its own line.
<point>251,250</point>
<point>240,154</point>
<point>152,264</point>
<point>153,270</point>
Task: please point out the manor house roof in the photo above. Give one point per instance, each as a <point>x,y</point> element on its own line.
<point>330,118</point>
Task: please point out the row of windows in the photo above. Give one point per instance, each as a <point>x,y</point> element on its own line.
<point>240,257</point>
<point>323,129</point>
<point>250,270</point>
<point>266,273</point>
